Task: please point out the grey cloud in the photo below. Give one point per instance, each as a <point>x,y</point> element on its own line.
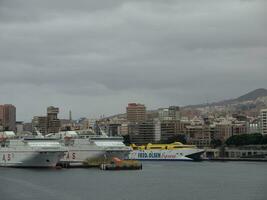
<point>72,53</point>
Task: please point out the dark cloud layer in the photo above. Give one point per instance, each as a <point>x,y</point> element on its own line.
<point>95,56</point>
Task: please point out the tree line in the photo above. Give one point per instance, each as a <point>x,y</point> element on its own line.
<point>247,139</point>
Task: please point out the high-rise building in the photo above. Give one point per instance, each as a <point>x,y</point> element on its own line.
<point>40,123</point>
<point>53,123</point>
<point>113,129</point>
<point>174,112</point>
<point>142,132</point>
<point>263,117</point>
<point>168,129</point>
<point>136,112</point>
<point>152,131</point>
<point>254,126</point>
<point>8,117</point>
<point>164,114</point>
<point>124,129</point>
<point>49,123</point>
<point>198,135</point>
<point>171,113</point>
<point>19,127</point>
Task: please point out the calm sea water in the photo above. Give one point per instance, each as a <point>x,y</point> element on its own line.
<point>157,181</point>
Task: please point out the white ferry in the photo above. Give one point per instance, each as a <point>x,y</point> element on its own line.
<point>172,152</point>
<point>30,152</point>
<point>90,147</point>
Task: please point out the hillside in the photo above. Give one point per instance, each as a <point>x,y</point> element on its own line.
<point>261,92</point>
<point>251,96</point>
<point>250,103</point>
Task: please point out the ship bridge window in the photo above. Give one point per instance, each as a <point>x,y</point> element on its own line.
<point>154,147</point>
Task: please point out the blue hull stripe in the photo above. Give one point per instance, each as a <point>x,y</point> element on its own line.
<point>162,159</point>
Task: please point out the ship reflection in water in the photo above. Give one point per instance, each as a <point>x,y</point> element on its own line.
<point>157,181</point>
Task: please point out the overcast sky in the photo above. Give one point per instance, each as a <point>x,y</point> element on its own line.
<point>94,57</point>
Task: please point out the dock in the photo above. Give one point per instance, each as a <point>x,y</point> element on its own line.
<point>117,164</point>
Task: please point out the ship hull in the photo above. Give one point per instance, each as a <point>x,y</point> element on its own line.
<point>80,151</point>
<point>79,155</point>
<point>17,158</point>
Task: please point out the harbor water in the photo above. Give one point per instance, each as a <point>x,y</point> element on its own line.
<point>157,181</point>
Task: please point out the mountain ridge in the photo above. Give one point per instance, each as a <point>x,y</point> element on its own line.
<point>253,95</point>
<point>250,96</point>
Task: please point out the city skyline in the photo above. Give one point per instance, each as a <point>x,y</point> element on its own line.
<point>65,113</point>
<point>95,57</point>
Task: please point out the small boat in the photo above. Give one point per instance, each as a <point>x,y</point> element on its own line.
<point>118,164</point>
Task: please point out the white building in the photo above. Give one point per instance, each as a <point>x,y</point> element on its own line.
<point>263,116</point>
<point>171,113</point>
<point>19,127</point>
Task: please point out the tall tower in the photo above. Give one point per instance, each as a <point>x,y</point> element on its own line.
<point>53,123</point>
<point>70,116</point>
<point>8,117</point>
<point>136,112</point>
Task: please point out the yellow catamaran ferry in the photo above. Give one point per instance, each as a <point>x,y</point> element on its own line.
<point>174,152</point>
